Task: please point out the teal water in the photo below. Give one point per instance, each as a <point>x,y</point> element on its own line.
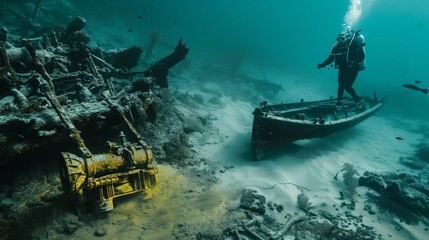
<point>284,36</point>
<point>282,41</point>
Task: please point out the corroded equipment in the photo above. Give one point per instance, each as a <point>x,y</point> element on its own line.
<point>125,169</point>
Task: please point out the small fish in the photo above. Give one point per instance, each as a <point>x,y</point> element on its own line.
<point>130,30</point>
<point>418,81</point>
<point>399,138</point>
<point>140,17</point>
<point>413,87</point>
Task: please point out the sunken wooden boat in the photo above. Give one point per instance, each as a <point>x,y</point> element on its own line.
<point>305,120</point>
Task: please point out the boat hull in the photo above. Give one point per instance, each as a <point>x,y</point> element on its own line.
<point>296,121</point>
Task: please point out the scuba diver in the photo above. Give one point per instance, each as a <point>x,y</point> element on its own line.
<point>349,55</point>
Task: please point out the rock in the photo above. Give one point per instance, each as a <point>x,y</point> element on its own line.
<point>372,180</point>
<point>279,208</point>
<point>253,201</point>
<point>100,232</point>
<point>393,189</point>
<point>204,120</point>
<point>404,179</point>
<point>70,227</point>
<point>177,148</point>
<point>270,206</point>
<point>192,124</point>
<point>401,188</point>
<point>422,188</point>
<point>417,200</point>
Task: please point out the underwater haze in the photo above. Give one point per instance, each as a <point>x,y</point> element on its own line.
<point>284,40</point>
<point>228,166</point>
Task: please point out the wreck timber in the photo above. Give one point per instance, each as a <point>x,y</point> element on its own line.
<point>306,120</point>
<point>80,79</point>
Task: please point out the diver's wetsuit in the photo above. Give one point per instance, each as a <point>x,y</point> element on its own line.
<point>347,71</point>
<point>346,78</point>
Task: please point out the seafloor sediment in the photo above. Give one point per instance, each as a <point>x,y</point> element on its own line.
<point>178,125</point>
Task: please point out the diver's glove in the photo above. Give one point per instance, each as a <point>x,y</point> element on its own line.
<point>319,66</point>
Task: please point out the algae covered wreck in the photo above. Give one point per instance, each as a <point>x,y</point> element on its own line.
<point>68,106</point>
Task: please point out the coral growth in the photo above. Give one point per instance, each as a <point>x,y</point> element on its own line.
<point>303,202</point>
<point>350,178</point>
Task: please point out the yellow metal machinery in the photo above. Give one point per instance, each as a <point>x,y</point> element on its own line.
<point>125,169</point>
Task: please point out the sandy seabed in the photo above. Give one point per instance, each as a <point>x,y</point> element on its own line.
<point>376,144</point>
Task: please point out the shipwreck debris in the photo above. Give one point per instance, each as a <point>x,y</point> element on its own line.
<point>73,33</point>
<point>127,58</point>
<point>160,69</point>
<point>82,80</point>
<point>126,168</point>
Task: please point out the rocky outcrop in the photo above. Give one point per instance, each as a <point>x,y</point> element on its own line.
<point>403,189</point>
<point>252,201</point>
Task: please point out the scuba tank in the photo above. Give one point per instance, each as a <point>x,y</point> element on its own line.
<point>347,42</point>
<point>358,40</point>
